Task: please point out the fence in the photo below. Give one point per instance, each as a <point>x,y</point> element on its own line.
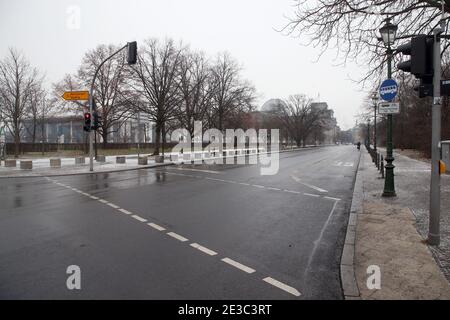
<point>55,147</point>
<point>377,159</point>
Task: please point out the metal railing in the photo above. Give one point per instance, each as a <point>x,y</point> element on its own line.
<point>377,159</point>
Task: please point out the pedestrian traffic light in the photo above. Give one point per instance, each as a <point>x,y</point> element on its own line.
<point>87,122</point>
<point>97,120</point>
<point>420,48</point>
<point>132,52</point>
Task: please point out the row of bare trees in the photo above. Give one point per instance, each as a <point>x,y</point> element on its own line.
<point>171,86</point>
<point>351,27</point>
<point>22,96</point>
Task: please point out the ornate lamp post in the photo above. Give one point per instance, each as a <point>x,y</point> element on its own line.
<point>388,34</point>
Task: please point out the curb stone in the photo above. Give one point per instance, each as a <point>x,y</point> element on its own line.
<point>152,166</point>
<point>348,278</point>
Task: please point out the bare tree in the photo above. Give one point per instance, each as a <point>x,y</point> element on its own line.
<point>196,89</point>
<point>35,102</point>
<point>351,26</point>
<point>231,94</point>
<point>17,83</point>
<point>301,117</point>
<point>157,83</point>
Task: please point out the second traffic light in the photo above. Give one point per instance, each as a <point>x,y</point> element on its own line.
<point>87,122</point>
<point>420,48</point>
<point>97,121</point>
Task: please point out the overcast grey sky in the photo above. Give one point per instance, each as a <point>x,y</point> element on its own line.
<point>277,65</point>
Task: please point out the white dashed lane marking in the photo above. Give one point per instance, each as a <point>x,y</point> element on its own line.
<point>177,236</point>
<point>282,286</point>
<point>331,198</point>
<point>195,245</point>
<point>125,211</point>
<point>311,195</point>
<point>156,226</point>
<point>138,218</point>
<point>292,191</point>
<point>263,187</point>
<point>203,249</point>
<point>238,265</point>
<point>258,186</point>
<point>112,205</point>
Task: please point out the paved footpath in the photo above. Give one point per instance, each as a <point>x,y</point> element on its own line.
<point>41,167</point>
<point>390,234</point>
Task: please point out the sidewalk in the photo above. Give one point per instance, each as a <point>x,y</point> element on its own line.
<point>390,233</point>
<point>41,167</point>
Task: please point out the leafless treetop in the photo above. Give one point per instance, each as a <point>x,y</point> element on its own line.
<point>351,26</point>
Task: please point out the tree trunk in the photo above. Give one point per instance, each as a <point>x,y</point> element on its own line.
<point>34,130</point>
<point>16,143</point>
<point>163,137</point>
<point>157,138</point>
<point>105,138</point>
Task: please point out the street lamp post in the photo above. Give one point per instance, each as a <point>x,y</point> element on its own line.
<point>388,33</point>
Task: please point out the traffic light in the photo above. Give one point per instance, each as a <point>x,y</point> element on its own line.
<point>87,122</point>
<point>132,52</point>
<point>97,120</point>
<point>420,48</point>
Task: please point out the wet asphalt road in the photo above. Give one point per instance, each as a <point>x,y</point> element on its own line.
<point>260,237</point>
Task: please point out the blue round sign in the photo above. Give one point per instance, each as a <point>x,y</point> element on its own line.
<point>388,90</point>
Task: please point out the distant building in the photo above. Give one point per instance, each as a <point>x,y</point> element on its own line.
<point>69,129</point>
<point>329,134</point>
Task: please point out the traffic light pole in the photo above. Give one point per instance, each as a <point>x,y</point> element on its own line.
<point>435,186</point>
<point>91,132</point>
<point>91,107</point>
<point>389,186</point>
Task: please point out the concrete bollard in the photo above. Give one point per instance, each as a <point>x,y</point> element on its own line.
<point>79,160</point>
<point>55,163</point>
<point>143,161</point>
<point>26,164</point>
<point>101,158</point>
<point>186,157</point>
<point>120,160</point>
<point>197,156</point>
<point>10,163</point>
<point>159,159</point>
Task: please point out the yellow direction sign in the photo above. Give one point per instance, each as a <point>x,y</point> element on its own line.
<point>76,95</point>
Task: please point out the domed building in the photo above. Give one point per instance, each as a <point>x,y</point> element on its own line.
<point>272,106</point>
